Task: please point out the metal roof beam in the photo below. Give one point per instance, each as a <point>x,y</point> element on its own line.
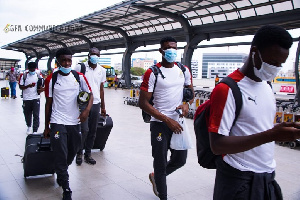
<point>89,43</point>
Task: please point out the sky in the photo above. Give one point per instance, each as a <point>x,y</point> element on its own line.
<point>56,12</point>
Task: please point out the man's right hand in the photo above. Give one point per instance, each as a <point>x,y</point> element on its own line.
<point>286,131</point>
<point>174,126</point>
<point>47,133</point>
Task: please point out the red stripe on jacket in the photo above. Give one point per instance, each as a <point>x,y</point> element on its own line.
<point>218,100</point>
<point>47,81</point>
<point>87,82</point>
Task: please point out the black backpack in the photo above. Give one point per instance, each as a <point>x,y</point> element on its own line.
<point>83,68</point>
<point>156,71</point>
<point>206,158</point>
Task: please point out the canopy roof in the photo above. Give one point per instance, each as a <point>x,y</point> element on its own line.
<point>144,22</point>
<point>7,63</point>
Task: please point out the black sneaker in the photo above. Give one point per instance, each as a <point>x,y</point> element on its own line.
<point>78,159</point>
<point>67,195</point>
<point>88,159</point>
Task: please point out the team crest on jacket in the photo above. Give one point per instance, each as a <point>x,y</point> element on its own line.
<point>56,136</point>
<point>181,74</point>
<point>159,138</point>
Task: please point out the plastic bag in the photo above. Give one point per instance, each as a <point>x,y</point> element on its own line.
<point>181,141</point>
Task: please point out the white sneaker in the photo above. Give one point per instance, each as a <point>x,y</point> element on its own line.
<point>28,132</point>
<point>34,133</point>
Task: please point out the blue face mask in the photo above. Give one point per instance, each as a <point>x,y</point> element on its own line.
<point>170,55</point>
<point>65,70</point>
<point>32,73</point>
<point>94,59</point>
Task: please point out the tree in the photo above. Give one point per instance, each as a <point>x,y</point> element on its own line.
<point>118,72</point>
<point>84,60</point>
<point>137,71</point>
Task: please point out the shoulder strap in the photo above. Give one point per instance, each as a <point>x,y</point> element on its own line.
<point>156,71</point>
<point>76,75</point>
<point>236,94</point>
<point>54,78</point>
<point>83,68</point>
<point>181,66</point>
<point>24,76</point>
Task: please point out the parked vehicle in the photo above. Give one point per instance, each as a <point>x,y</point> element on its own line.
<point>135,81</point>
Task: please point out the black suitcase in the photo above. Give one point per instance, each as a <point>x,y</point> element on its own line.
<point>38,156</point>
<point>5,92</point>
<point>104,127</point>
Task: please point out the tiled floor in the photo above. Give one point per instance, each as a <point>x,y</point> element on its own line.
<point>122,169</point>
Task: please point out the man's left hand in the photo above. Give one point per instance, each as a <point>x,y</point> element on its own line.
<point>184,108</point>
<point>103,112</point>
<point>83,115</point>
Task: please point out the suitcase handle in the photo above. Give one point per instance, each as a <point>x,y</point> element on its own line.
<point>43,146</point>
<point>104,118</point>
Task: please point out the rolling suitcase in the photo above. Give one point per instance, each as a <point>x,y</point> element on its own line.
<point>5,92</point>
<point>104,127</point>
<point>38,156</point>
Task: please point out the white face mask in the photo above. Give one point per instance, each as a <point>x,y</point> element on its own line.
<point>266,72</point>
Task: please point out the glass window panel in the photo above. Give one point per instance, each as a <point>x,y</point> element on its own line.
<point>115,36</point>
<point>247,13</point>
<point>214,9</point>
<point>147,23</point>
<point>111,36</point>
<point>231,16</point>
<point>191,14</point>
<point>243,3</point>
<point>176,25</point>
<point>151,29</point>
<point>219,18</point>
<point>226,7</point>
<point>202,12</point>
<point>207,20</point>
<point>296,3</point>
<point>185,4</point>
<point>196,22</point>
<point>154,21</point>
<point>282,6</point>
<point>255,2</point>
<point>126,27</point>
<point>159,28</point>
<point>162,20</point>
<point>138,32</point>
<point>168,27</point>
<point>204,3</point>
<point>133,26</point>
<point>130,33</point>
<point>145,30</point>
<point>175,7</point>
<point>264,10</point>
<point>140,25</point>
